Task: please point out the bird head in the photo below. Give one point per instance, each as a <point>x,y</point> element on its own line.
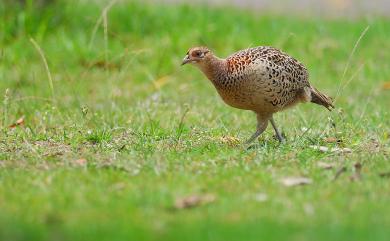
<point>197,56</point>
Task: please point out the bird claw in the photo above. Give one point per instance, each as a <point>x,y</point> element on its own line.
<point>280,138</point>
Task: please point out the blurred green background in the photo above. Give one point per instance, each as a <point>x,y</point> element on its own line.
<point>104,135</point>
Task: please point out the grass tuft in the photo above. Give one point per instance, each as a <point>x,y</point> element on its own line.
<point>99,136</point>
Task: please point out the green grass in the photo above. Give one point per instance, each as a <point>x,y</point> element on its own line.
<point>152,131</point>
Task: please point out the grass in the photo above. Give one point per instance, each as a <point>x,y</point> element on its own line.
<point>115,130</point>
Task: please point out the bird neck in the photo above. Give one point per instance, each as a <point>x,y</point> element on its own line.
<point>214,68</point>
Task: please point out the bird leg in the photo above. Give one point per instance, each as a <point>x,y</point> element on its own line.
<point>278,135</point>
<point>262,124</point>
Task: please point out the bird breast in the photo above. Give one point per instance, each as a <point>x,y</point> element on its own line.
<point>244,87</point>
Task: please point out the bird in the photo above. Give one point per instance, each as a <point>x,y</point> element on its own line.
<point>261,79</point>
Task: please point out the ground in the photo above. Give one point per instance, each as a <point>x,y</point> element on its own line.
<point>114,140</point>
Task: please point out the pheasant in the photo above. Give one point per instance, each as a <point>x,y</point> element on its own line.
<point>263,79</point>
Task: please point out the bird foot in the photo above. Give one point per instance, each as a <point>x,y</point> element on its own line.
<point>280,137</point>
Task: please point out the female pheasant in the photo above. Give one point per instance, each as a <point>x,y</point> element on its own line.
<point>262,79</point>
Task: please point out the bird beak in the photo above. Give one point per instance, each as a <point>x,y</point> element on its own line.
<point>186,60</point>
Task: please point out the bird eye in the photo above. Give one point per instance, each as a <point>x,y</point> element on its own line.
<point>197,54</point>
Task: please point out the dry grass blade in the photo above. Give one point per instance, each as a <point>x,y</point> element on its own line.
<point>295,181</point>
<point>353,51</point>
<point>349,62</point>
<point>364,109</point>
<point>343,86</point>
<point>38,48</point>
<point>325,165</point>
<point>102,18</point>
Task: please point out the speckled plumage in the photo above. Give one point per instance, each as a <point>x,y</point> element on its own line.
<point>262,79</point>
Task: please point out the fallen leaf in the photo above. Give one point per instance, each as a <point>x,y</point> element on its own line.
<point>325,165</point>
<point>19,122</point>
<point>342,150</point>
<point>332,140</point>
<point>80,162</point>
<point>194,201</point>
<point>321,148</point>
<point>295,181</point>
<point>386,86</point>
<point>334,149</point>
<point>261,197</point>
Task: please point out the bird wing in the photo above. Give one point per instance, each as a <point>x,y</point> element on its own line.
<point>280,76</point>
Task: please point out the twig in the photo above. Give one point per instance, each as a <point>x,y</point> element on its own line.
<point>46,67</point>
<point>340,171</point>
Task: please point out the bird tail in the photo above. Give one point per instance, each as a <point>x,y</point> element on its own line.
<point>321,99</point>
